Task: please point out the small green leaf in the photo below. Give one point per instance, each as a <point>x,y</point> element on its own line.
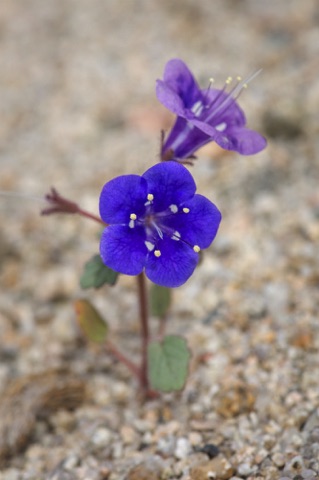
<point>96,274</point>
<point>168,363</point>
<point>92,324</point>
<point>160,300</point>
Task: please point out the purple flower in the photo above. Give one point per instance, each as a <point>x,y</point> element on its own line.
<point>203,115</point>
<point>156,222</point>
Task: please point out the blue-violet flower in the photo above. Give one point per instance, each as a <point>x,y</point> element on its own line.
<point>157,223</point>
<point>203,115</point>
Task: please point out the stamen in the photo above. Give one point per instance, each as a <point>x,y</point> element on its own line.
<point>176,236</point>
<point>133,217</point>
<point>210,84</point>
<point>232,95</point>
<point>150,198</point>
<point>149,245</point>
<point>197,108</point>
<point>173,208</point>
<point>157,253</point>
<point>186,210</point>
<point>159,231</point>
<point>221,127</point>
<point>196,248</point>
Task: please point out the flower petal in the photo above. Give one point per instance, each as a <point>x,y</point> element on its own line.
<point>122,196</point>
<point>184,139</point>
<point>174,266</point>
<point>169,98</point>
<point>170,183</point>
<point>242,140</point>
<point>123,249</point>
<point>199,225</point>
<point>180,79</point>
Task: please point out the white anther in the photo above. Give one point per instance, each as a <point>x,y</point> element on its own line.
<point>150,197</point>
<point>221,127</point>
<point>176,235</point>
<point>157,253</point>
<point>133,216</point>
<point>149,245</point>
<point>196,248</point>
<point>173,208</point>
<point>197,108</point>
<point>186,210</point>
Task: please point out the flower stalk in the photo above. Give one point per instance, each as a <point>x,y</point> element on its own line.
<point>142,295</point>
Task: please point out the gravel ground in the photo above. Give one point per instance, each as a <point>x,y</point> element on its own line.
<point>78,107</point>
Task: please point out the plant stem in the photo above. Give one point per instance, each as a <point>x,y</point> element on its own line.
<point>123,359</point>
<point>144,329</point>
<point>59,204</point>
<point>86,214</point>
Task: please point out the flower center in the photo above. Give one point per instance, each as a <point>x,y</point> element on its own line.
<point>158,225</point>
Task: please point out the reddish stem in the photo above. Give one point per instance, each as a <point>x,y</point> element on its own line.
<point>123,359</point>
<point>59,204</point>
<point>144,329</point>
<point>86,214</point>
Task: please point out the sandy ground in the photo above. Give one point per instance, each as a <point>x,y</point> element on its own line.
<point>77,107</point>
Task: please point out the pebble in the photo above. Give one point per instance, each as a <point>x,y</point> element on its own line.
<point>217,468</point>
<point>102,437</point>
<point>244,469</point>
<point>307,473</point>
<point>140,472</point>
<point>71,462</point>
<point>183,448</point>
<point>69,96</point>
<point>128,434</point>
<point>195,438</point>
<point>278,459</point>
<point>166,445</point>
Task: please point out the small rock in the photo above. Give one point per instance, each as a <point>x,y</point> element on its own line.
<point>102,437</point>
<point>236,399</point>
<point>183,448</point>
<point>128,434</point>
<point>307,473</point>
<point>166,445</point>
<point>195,438</point>
<point>71,462</point>
<point>219,468</point>
<point>278,459</point>
<point>140,472</point>
<point>296,464</point>
<point>261,455</point>
<point>244,469</point>
<point>210,450</point>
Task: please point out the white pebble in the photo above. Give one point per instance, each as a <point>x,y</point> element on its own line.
<point>183,448</point>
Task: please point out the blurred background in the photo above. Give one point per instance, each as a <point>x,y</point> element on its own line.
<point>78,106</point>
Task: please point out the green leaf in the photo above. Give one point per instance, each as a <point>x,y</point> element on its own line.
<point>168,363</point>
<point>160,300</point>
<point>92,324</point>
<point>96,274</point>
